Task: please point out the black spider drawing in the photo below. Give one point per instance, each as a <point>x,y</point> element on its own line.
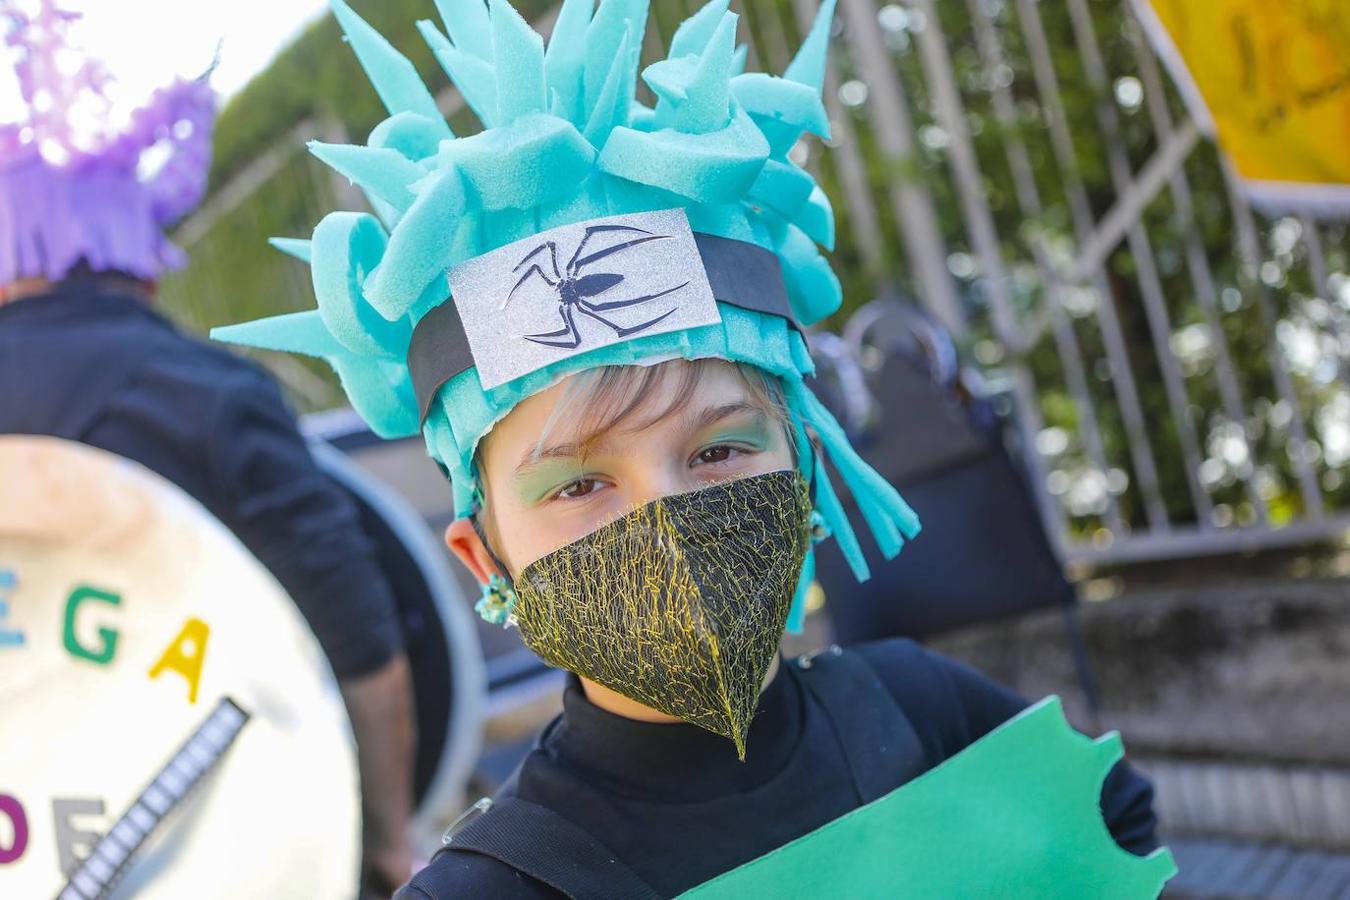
<point>576,290</point>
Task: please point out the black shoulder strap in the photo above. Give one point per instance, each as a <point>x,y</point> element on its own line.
<point>547,847</point>
<point>880,744</point>
<point>879,741</point>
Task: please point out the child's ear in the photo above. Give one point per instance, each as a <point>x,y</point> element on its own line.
<point>465,543</point>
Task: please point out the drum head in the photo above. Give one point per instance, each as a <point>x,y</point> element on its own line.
<point>134,629</point>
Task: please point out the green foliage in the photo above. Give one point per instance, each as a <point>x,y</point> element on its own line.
<point>318,77</point>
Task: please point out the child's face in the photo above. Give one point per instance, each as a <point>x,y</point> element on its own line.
<point>543,495</point>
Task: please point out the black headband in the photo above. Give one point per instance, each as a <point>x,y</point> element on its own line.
<point>740,274</point>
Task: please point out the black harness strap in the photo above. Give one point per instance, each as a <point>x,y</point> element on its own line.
<point>879,742</point>
<point>538,842</point>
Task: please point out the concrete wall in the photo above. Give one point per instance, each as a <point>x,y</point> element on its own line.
<point>1234,697</point>
<point>1250,672</point>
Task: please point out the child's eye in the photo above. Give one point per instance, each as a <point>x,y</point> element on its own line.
<point>578,489</point>
<point>715,454</point>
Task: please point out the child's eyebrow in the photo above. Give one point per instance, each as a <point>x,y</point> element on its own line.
<point>533,457</point>
<point>695,422</point>
<point>714,414</point>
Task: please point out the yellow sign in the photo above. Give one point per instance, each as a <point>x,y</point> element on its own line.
<point>1271,82</point>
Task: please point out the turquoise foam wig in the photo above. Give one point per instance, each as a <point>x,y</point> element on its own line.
<point>564,140</point>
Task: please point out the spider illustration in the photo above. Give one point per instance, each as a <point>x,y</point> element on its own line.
<point>577,290</point>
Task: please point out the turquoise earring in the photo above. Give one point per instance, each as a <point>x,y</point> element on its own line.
<point>498,602</point>
<point>819,530</point>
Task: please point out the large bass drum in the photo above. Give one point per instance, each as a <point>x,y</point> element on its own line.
<point>170,726</point>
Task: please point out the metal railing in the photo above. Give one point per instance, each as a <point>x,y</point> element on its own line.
<point>1177,363</point>
<point>1097,295</point>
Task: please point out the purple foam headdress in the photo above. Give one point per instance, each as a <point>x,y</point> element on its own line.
<point>76,185</point>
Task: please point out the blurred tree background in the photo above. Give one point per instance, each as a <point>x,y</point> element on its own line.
<point>264,184</point>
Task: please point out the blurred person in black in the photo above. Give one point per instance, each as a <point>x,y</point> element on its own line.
<point>85,357</point>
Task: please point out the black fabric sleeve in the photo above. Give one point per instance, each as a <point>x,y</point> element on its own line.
<point>952,705</point>
<point>300,524</point>
<point>1127,806</point>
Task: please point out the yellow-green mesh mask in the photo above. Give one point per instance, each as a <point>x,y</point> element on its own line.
<point>679,604</point>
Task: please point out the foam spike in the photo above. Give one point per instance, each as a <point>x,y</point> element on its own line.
<point>347,245</point>
<point>783,187</point>
<point>384,172</point>
<point>668,79</point>
<point>705,168</point>
<point>469,26</point>
<point>471,74</point>
<point>420,248</point>
<point>381,393</point>
<point>416,137</point>
<point>536,161</point>
<point>783,109</point>
<point>565,59</point>
<point>808,66</point>
<point>640,116</point>
<point>391,74</point>
<point>613,20</point>
<point>816,219</point>
<point>518,63</point>
<point>705,107</point>
<point>813,288</point>
<point>610,108</point>
<point>298,332</point>
<point>295,247</point>
<point>692,37</point>
<point>386,212</point>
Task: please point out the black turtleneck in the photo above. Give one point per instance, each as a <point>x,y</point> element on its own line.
<point>673,802</point>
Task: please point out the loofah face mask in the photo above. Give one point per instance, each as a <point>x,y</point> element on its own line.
<point>580,228</point>
<point>681,603</point>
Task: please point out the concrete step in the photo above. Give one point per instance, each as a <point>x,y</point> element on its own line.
<point>1214,868</point>
<point>1296,805</point>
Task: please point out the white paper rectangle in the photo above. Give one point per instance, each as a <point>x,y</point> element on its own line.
<point>572,289</point>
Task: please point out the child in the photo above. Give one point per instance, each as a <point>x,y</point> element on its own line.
<point>616,394</point>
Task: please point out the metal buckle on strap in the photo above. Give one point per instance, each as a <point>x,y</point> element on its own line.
<point>469,815</point>
<point>806,660</point>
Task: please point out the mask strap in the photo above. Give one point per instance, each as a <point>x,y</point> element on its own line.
<point>487,545</point>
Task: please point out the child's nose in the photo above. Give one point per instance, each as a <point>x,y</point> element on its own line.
<point>661,481</point>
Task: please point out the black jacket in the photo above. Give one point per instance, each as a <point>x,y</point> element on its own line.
<point>103,369</point>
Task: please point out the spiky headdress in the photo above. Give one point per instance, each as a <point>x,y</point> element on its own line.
<point>566,143</point>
